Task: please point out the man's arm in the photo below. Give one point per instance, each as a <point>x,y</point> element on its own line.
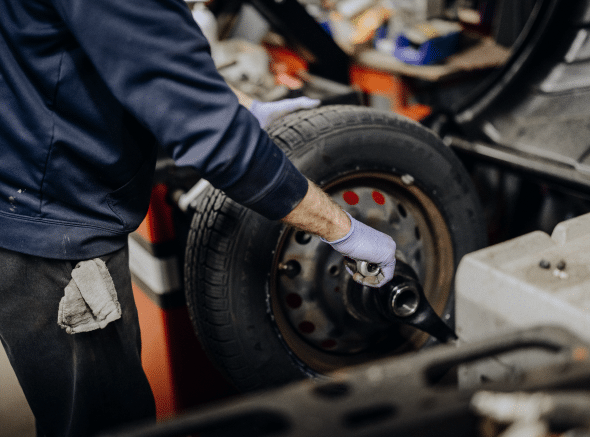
<point>320,215</point>
<point>156,63</point>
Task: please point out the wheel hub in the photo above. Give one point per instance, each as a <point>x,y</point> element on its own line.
<point>309,286</point>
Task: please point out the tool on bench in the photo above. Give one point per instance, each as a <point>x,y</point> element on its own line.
<point>400,300</point>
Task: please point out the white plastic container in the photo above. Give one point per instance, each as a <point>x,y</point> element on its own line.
<point>526,282</point>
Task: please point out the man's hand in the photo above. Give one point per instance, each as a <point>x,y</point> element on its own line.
<point>268,112</point>
<point>364,243</point>
<point>320,215</point>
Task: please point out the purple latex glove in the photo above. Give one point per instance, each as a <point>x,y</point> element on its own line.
<point>267,112</point>
<point>363,243</point>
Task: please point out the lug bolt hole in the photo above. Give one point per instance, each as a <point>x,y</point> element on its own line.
<point>302,237</point>
<point>402,210</point>
<point>290,269</point>
<point>334,271</point>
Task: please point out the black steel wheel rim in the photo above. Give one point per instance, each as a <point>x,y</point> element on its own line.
<point>308,284</point>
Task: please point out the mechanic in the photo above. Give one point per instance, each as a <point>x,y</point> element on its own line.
<point>88,89</point>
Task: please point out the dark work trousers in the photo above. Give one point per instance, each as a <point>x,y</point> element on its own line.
<point>76,384</point>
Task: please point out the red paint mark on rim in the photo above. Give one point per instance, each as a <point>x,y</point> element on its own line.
<point>328,344</point>
<point>293,300</point>
<point>378,198</point>
<point>306,327</point>
<point>350,198</point>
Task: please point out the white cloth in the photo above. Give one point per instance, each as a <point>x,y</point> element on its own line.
<point>90,301</point>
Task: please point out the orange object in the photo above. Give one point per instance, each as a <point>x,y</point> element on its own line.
<point>156,359</point>
<point>288,66</point>
<point>285,61</point>
<point>289,81</point>
<point>157,226</point>
<point>179,373</point>
<point>415,112</point>
<point>392,87</point>
<point>580,354</point>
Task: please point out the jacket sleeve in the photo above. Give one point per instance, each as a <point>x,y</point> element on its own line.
<point>157,63</point>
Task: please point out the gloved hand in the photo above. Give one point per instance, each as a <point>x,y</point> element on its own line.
<point>364,243</point>
<point>268,112</point>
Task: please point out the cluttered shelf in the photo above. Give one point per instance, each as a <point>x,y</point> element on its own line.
<point>481,54</point>
<point>430,40</point>
<point>376,47</point>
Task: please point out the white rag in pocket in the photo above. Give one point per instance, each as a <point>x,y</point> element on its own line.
<point>90,301</point>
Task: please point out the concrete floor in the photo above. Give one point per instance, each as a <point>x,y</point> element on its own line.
<point>16,419</point>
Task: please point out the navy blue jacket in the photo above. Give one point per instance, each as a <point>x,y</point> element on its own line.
<point>88,88</point>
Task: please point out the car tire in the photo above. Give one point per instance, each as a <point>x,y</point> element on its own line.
<point>266,300</point>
